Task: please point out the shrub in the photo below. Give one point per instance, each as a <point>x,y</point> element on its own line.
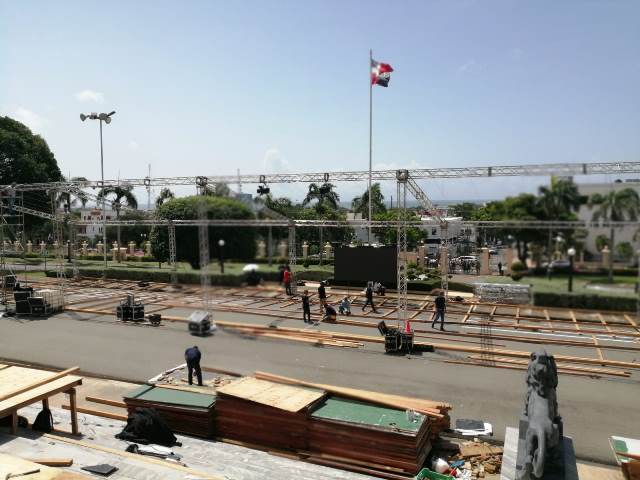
<point>518,266</point>
<point>516,276</point>
<point>575,300</point>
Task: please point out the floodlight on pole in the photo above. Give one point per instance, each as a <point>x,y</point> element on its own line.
<point>572,253</point>
<point>102,117</point>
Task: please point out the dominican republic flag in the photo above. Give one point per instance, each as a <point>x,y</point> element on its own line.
<point>380,73</point>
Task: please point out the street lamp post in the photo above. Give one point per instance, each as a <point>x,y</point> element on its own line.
<point>572,253</point>
<point>638,287</point>
<point>221,254</point>
<point>101,117</point>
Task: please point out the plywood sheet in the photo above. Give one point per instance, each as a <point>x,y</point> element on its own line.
<point>283,397</point>
<point>354,411</point>
<point>38,393</point>
<point>14,465</point>
<point>175,397</point>
<point>13,378</point>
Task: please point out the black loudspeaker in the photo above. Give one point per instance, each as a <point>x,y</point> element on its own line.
<point>23,307</point>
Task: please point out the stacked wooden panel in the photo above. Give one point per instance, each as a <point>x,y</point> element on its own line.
<point>265,413</point>
<point>357,432</point>
<point>185,412</point>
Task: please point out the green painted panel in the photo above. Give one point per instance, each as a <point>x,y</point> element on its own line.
<point>137,391</point>
<point>354,411</point>
<point>175,397</point>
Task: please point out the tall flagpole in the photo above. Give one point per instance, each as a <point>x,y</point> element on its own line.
<point>370,135</point>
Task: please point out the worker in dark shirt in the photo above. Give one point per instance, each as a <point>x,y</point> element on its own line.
<point>440,306</point>
<point>192,356</point>
<point>306,307</point>
<point>322,296</point>
<point>369,298</point>
<point>329,314</point>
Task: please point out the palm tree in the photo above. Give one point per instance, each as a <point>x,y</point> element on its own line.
<point>361,204</point>
<point>558,201</point>
<point>165,194</point>
<point>325,196</point>
<point>63,199</point>
<point>121,193</point>
<point>615,206</point>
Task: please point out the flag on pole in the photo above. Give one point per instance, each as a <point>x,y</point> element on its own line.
<point>380,73</point>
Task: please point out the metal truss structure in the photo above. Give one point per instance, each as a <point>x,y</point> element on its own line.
<point>402,177</point>
<point>558,169</point>
<point>293,257</point>
<point>172,253</point>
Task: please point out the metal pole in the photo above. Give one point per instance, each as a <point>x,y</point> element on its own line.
<point>104,203</point>
<point>370,136</point>
<point>570,273</point>
<point>638,287</point>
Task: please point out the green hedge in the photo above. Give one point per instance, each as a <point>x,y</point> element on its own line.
<point>231,280</point>
<point>577,300</point>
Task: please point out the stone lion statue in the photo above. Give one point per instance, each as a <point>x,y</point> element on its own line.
<point>544,425</point>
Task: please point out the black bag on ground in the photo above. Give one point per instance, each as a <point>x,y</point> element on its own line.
<point>145,426</point>
<point>44,421</point>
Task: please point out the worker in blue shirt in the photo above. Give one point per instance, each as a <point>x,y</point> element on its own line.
<point>192,356</point>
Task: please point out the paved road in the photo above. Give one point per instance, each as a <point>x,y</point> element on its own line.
<point>592,409</point>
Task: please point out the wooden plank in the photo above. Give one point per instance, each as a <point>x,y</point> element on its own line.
<point>106,401</point>
<point>97,413</point>
<point>603,371</point>
<point>39,393</point>
<point>598,350</point>
<point>601,318</point>
<point>478,449</point>
<point>132,456</point>
<point>32,385</point>
<point>574,320</point>
<point>284,397</point>
<point>74,411</point>
<point>15,377</point>
<point>52,462</point>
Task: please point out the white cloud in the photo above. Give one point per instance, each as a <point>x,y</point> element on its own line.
<point>467,66</point>
<point>90,96</point>
<point>133,145</point>
<point>31,119</point>
<point>274,162</point>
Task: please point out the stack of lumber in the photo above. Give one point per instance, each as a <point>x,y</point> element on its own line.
<point>437,412</point>
<point>264,413</point>
<point>297,334</point>
<point>185,412</point>
<point>357,432</point>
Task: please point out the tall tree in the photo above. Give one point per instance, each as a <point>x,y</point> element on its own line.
<point>325,196</point>
<point>615,206</point>
<point>122,196</point>
<point>361,204</point>
<point>165,194</point>
<point>26,158</point>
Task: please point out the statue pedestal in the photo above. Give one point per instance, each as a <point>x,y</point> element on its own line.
<point>513,443</point>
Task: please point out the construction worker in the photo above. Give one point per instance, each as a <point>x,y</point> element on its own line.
<point>286,277</point>
<point>440,307</point>
<point>345,307</point>
<point>306,307</point>
<point>329,313</point>
<point>192,356</point>
<point>369,298</point>
<point>322,296</point>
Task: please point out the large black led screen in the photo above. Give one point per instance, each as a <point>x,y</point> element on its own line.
<point>361,264</point>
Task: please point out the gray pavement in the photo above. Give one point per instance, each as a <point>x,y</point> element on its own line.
<point>592,409</point>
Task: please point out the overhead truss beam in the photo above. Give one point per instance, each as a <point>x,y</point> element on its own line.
<point>540,170</point>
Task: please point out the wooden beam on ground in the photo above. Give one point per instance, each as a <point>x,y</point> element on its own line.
<point>603,371</point>
<point>133,456</point>
<point>514,367</point>
<point>73,407</point>
<point>98,413</point>
<point>43,381</point>
<point>51,462</point>
<point>106,401</point>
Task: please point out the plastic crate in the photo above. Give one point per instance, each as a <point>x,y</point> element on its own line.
<point>425,473</point>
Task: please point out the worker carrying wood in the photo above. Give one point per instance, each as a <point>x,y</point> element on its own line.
<point>439,307</point>
<point>192,356</point>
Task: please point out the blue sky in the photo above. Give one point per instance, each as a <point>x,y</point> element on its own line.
<point>208,87</point>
